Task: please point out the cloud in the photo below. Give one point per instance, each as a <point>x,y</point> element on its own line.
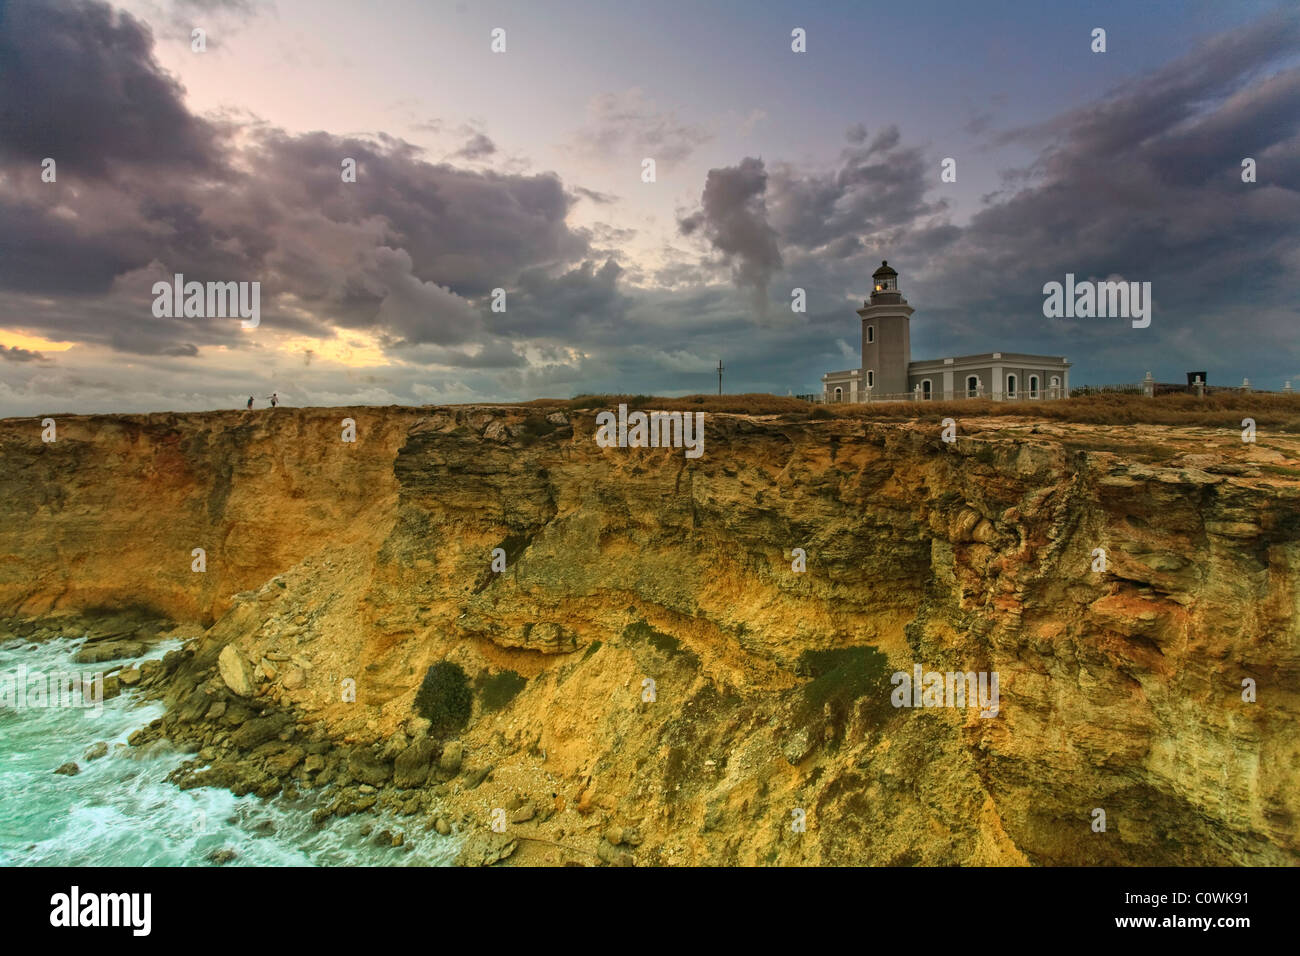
<point>478,147</point>
<point>81,86</point>
<point>733,218</point>
<point>15,354</point>
<point>627,124</point>
<point>1146,183</point>
<point>408,253</point>
<point>878,188</point>
<point>603,199</point>
<point>379,290</point>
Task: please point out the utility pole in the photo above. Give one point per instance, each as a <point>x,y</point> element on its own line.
<point>719,376</point>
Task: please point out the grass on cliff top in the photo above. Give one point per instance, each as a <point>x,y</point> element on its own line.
<point>1223,410</point>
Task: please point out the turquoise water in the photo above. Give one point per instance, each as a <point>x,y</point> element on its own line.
<point>120,811</point>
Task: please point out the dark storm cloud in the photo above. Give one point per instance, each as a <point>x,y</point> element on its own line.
<point>581,304</point>
<point>81,86</point>
<point>41,252</point>
<point>1147,184</point>
<point>409,252</point>
<point>878,186</point>
<point>1144,183</point>
<point>16,354</point>
<point>733,218</point>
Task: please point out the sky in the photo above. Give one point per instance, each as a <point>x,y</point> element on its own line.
<point>501,241</point>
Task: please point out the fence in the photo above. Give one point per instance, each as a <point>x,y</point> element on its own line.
<point>949,395</point>
<point>1146,387</point>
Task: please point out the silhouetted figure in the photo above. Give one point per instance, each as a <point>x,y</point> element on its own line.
<point>250,402</point>
<point>274,401</point>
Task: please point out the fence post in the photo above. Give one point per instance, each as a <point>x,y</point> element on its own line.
<point>1149,386</point>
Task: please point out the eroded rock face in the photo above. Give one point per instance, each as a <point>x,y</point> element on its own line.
<point>661,637</point>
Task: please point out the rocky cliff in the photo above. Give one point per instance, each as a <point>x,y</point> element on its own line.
<point>655,682</point>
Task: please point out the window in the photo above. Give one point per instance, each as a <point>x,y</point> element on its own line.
<point>925,390</point>
<point>839,394</point>
<point>871,333</point>
<point>972,386</point>
<point>871,378</point>
<point>1056,386</point>
<point>1011,386</point>
<point>1033,386</point>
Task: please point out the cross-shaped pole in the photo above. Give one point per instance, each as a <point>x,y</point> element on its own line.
<point>719,376</point>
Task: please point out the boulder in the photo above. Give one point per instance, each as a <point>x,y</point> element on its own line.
<point>69,770</point>
<point>411,768</point>
<point>194,707</point>
<point>99,652</point>
<point>452,756</point>
<point>525,813</point>
<point>368,768</point>
<point>257,731</point>
<point>96,751</point>
<point>484,849</point>
<point>235,671</point>
<point>282,764</point>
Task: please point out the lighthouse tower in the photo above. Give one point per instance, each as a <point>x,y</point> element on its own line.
<point>886,339</point>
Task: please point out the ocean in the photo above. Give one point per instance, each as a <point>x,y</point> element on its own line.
<point>120,810</point>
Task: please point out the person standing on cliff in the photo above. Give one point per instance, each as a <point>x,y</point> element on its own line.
<point>274,400</point>
<point>250,403</point>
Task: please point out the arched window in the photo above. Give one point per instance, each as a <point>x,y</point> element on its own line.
<point>1011,386</point>
<point>1056,386</point>
<point>871,333</point>
<point>1033,386</point>
<point>871,378</point>
<point>925,390</point>
<point>972,385</point>
<point>839,394</point>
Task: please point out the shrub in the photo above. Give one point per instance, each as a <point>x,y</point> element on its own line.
<point>842,676</point>
<point>500,689</point>
<point>444,699</point>
<point>536,426</point>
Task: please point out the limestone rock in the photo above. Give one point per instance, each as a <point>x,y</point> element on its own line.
<point>411,768</point>
<point>483,848</point>
<point>96,751</point>
<point>235,671</point>
<point>367,767</point>
<point>453,754</point>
